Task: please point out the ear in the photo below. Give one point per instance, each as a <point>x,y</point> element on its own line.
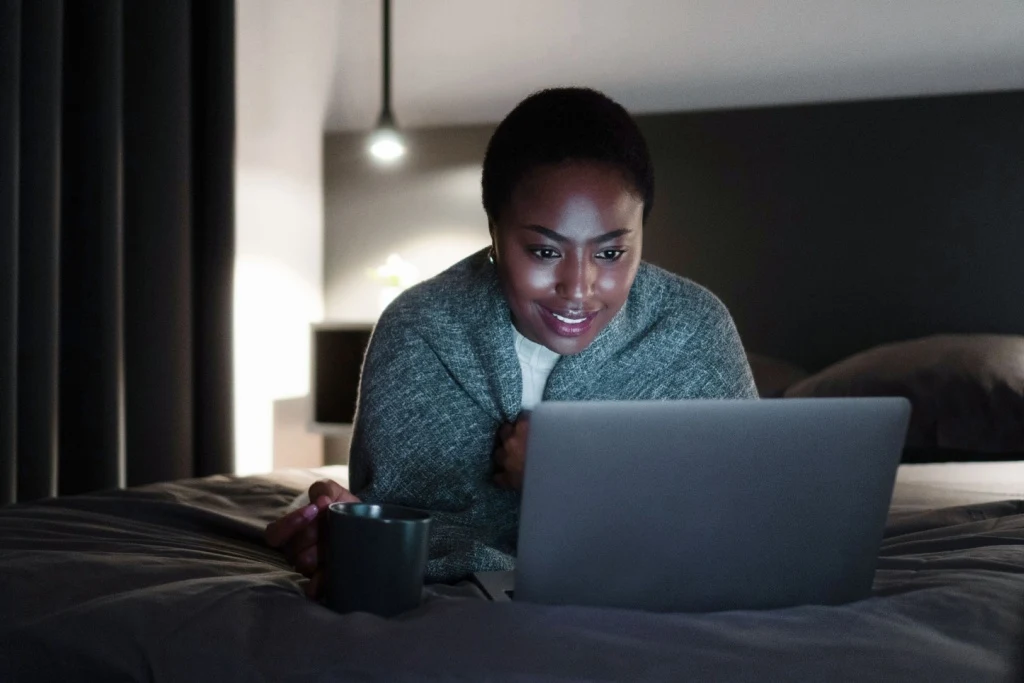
<point>493,229</point>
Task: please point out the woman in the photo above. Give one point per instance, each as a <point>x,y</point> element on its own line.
<point>560,307</point>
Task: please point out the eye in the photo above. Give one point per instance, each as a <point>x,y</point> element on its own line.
<point>610,254</point>
<point>544,253</point>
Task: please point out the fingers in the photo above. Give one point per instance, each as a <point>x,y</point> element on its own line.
<point>506,430</point>
<point>325,487</point>
<point>507,472</point>
<point>511,481</point>
<point>332,490</point>
<point>520,431</point>
<point>509,454</point>
<point>280,531</point>
<point>301,541</point>
<point>500,457</point>
<point>313,586</point>
<point>306,561</point>
<point>297,533</point>
<point>302,550</point>
<point>515,431</point>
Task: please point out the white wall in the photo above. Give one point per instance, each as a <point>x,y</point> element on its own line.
<point>285,61</point>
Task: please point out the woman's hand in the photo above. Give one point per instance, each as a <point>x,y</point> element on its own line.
<point>510,453</point>
<point>297,533</point>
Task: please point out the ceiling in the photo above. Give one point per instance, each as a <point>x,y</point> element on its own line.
<point>470,61</point>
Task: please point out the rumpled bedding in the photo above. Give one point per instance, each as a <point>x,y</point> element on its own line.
<point>172,582</point>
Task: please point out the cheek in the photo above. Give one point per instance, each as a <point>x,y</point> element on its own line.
<point>612,281</point>
<point>540,279</point>
<point>531,280</point>
<point>614,284</point>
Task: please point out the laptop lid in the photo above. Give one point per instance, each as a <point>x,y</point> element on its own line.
<point>706,505</point>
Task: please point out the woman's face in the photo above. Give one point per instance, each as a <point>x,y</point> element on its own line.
<point>567,249</point>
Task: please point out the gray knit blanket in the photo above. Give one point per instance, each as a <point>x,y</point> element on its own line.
<point>441,374</point>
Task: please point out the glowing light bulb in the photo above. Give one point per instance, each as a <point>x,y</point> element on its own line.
<point>386,145</point>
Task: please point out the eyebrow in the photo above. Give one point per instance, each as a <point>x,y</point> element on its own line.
<point>562,239</point>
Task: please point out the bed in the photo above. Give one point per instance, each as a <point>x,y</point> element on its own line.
<point>173,582</point>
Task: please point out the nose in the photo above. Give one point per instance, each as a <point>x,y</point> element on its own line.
<point>576,279</point>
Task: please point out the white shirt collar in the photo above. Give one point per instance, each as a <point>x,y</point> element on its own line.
<point>533,354</point>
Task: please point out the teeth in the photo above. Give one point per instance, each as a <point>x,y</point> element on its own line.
<point>571,321</point>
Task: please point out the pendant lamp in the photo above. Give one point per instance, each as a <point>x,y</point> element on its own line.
<point>386,144</point>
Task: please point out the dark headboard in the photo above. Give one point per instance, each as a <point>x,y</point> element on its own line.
<point>831,228</point>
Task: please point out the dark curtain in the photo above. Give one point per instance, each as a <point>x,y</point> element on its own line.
<point>116,243</point>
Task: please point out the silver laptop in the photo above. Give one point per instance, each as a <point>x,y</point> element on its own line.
<point>697,506</point>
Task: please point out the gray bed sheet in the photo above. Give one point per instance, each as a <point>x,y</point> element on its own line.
<point>172,582</point>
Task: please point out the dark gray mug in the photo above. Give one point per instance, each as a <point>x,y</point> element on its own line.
<point>376,558</point>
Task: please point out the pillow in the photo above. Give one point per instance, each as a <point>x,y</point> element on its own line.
<point>772,375</point>
<point>967,391</point>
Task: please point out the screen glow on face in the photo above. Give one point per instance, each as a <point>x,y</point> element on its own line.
<point>568,247</point>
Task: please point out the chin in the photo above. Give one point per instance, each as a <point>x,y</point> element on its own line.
<point>576,348</point>
<point>567,346</point>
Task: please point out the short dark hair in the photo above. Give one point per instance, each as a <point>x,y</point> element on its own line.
<point>559,125</point>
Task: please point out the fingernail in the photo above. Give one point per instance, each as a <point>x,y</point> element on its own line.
<point>309,512</point>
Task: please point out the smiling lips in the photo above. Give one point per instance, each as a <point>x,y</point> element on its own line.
<point>568,323</point>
